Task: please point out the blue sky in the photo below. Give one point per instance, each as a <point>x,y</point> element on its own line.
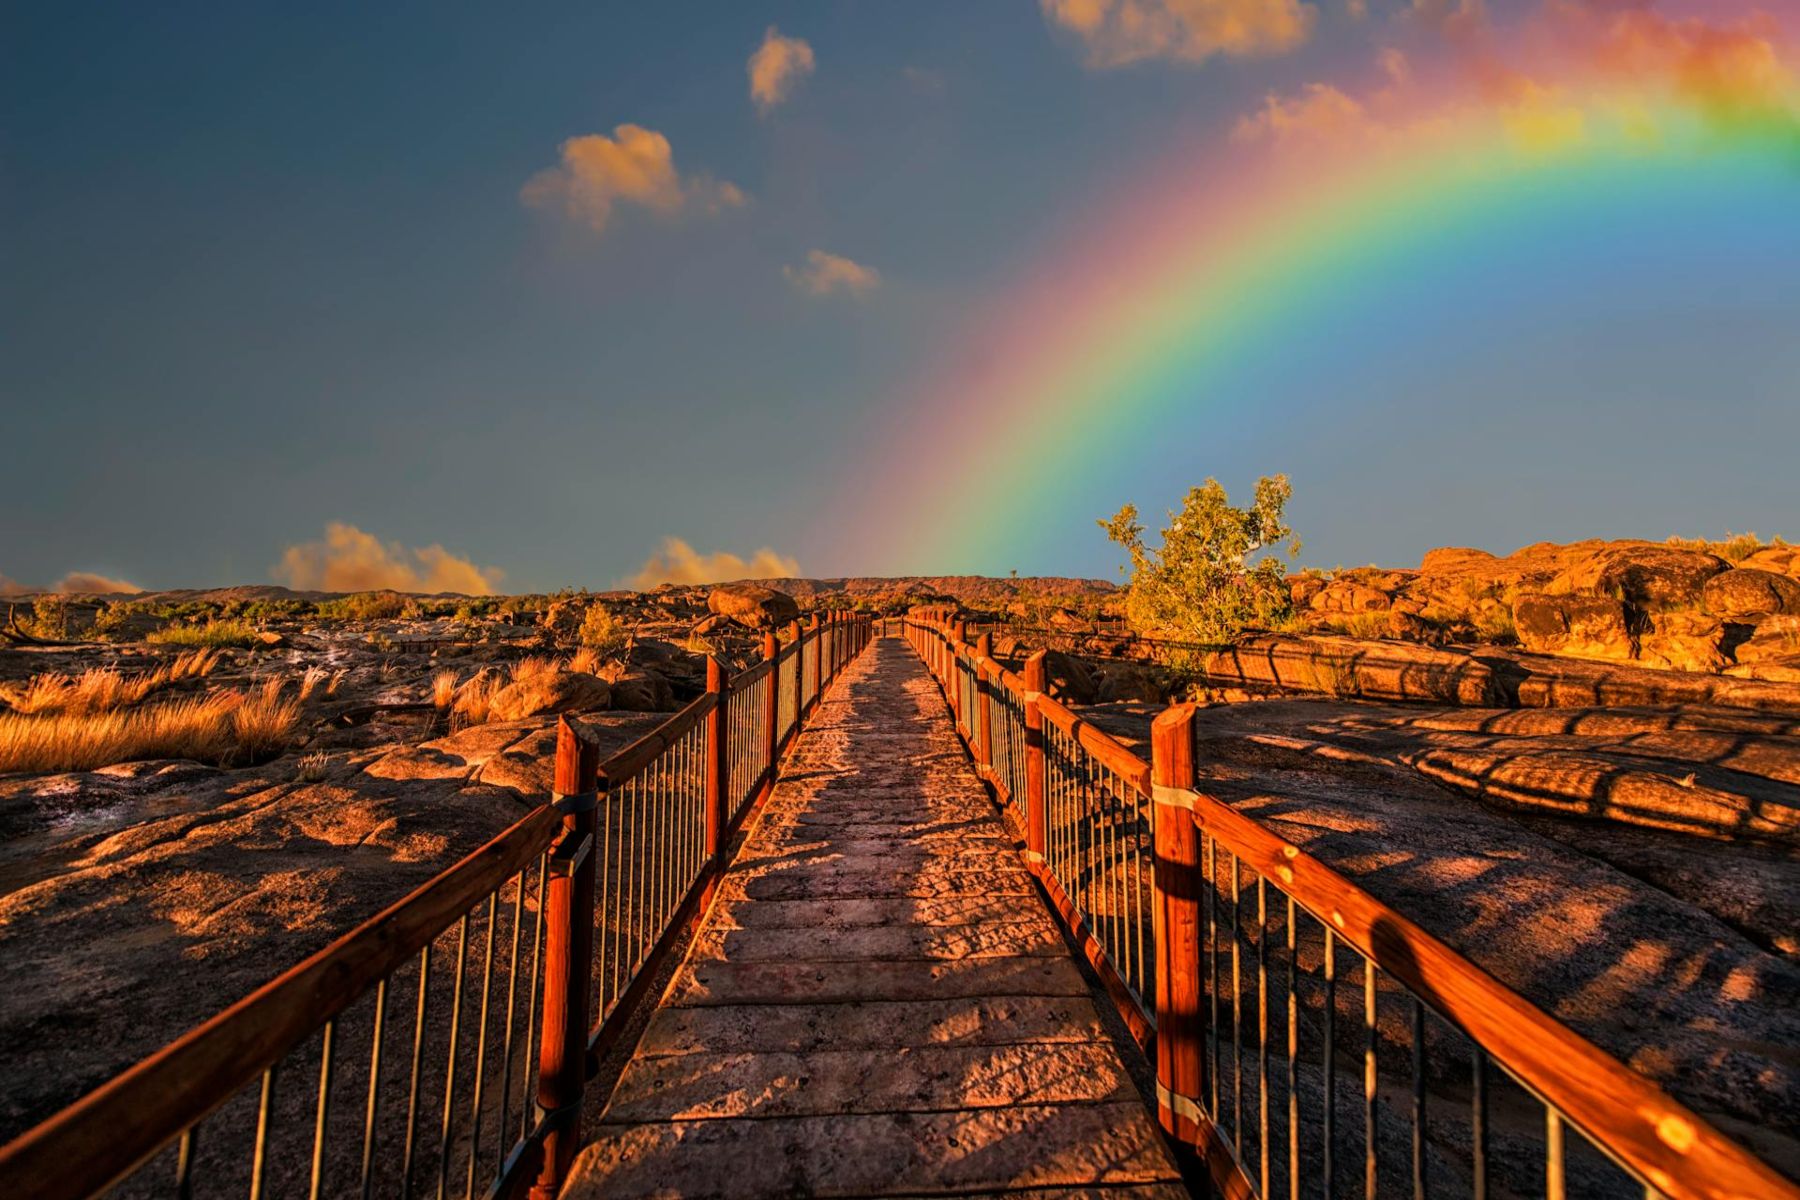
<point>265,267</point>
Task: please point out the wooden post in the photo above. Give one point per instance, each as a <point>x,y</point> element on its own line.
<point>771,708</point>
<point>1180,1023</point>
<point>984,720</point>
<point>1037,815</point>
<point>568,952</point>
<point>718,760</point>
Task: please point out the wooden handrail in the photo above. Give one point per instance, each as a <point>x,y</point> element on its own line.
<point>1629,1117</point>
<point>624,765</point>
<point>105,1135</point>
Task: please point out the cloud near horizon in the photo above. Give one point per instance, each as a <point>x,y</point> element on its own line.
<point>74,583</point>
<point>349,560</point>
<point>825,273</point>
<point>633,166</point>
<point>1117,33</point>
<point>678,562</point>
<point>776,69</point>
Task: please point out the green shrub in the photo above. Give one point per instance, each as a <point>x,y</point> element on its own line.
<point>602,631</point>
<point>1199,584</point>
<point>363,606</point>
<point>213,633</point>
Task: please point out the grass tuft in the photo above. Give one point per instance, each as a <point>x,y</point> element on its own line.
<point>221,727</point>
<point>213,634</point>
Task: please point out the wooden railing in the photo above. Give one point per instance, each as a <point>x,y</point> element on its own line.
<point>1307,1038</point>
<point>444,1045</point>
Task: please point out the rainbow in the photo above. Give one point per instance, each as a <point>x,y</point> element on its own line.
<point>1183,278</point>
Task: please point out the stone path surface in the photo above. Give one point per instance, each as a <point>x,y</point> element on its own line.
<point>879,1003</point>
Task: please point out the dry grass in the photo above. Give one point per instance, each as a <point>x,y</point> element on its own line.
<point>222,727</point>
<point>213,633</point>
<point>585,660</point>
<point>475,701</point>
<point>312,768</point>
<point>533,667</point>
<point>103,688</point>
<point>1359,624</point>
<point>443,688</point>
<point>1734,548</point>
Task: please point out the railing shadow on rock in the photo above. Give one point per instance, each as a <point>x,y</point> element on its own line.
<point>444,1045</point>
<point>1307,1039</point>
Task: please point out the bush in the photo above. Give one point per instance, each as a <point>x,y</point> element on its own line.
<point>363,606</point>
<point>602,632</point>
<point>213,633</point>
<point>1198,585</point>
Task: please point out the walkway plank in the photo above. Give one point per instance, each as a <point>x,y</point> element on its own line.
<point>879,1003</point>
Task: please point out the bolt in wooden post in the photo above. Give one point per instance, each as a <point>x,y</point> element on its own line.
<point>1180,1023</point>
<point>568,952</point>
<point>1037,816</point>
<point>771,708</point>
<point>718,760</point>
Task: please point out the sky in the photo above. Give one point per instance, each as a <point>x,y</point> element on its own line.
<point>460,297</point>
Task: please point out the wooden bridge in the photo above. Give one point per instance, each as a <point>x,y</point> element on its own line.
<point>878,917</point>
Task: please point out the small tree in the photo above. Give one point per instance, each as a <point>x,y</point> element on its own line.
<point>602,631</point>
<point>1198,585</point>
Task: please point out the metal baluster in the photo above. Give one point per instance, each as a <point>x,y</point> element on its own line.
<point>324,1110</point>
<point>512,992</point>
<point>531,1007</point>
<point>1554,1185</point>
<point>259,1162</point>
<point>1212,969</point>
<point>1478,1122</point>
<point>456,999</point>
<point>1293,1054</point>
<point>487,984</point>
<point>1262,1030</point>
<point>1418,1099</point>
<point>184,1163</point>
<point>412,1091</point>
<point>374,1101</point>
<point>1328,1060</point>
<point>1237,1007</point>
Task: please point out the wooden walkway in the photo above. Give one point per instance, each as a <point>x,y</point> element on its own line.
<point>879,1003</point>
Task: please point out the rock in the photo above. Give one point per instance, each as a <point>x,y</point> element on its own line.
<point>1642,574</point>
<point>1746,593</point>
<point>550,692</point>
<point>1062,618</point>
<point>1585,626</point>
<point>1457,560</point>
<point>1681,640</point>
<point>1406,623</point>
<point>1348,596</point>
<point>752,605</point>
<point>1781,560</point>
<point>1785,669</point>
<point>639,690</point>
<point>1069,679</point>
<point>562,620</point>
<point>1775,638</point>
<point>710,624</point>
<point>1129,681</point>
<point>1302,588</point>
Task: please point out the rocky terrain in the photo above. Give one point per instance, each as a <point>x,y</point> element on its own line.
<point>1580,764</point>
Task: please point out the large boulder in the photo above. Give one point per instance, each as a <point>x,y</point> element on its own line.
<point>1130,681</point>
<point>1747,594</point>
<point>1584,626</point>
<point>1782,560</point>
<point>1458,560</point>
<point>1642,574</point>
<point>640,690</point>
<point>1776,637</point>
<point>752,605</point>
<point>1348,596</point>
<point>1681,640</point>
<point>550,692</point>
<point>1069,679</point>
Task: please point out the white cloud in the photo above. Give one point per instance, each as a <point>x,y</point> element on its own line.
<point>822,274</point>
